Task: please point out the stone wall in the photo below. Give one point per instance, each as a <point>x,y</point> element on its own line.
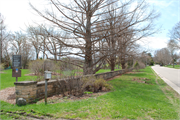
<point>26,90</point>
<point>32,91</point>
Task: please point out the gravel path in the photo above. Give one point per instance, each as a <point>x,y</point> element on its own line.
<point>8,95</point>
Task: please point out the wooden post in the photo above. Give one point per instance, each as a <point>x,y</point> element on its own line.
<point>46,91</point>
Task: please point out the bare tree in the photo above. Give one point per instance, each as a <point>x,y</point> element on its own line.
<point>83,25</point>
<point>172,48</point>
<point>174,35</point>
<point>80,26</point>
<point>37,41</point>
<point>162,56</point>
<point>21,46</point>
<point>125,28</point>
<point>4,39</point>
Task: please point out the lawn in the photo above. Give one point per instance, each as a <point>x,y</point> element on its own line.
<point>171,66</point>
<point>105,70</point>
<point>8,81</point>
<point>129,99</point>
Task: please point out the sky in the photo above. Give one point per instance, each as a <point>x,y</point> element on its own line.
<point>18,15</point>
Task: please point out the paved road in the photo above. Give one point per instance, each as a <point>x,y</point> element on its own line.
<point>169,75</point>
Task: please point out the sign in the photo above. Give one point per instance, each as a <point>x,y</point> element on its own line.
<point>16,73</point>
<point>16,61</point>
<point>47,75</point>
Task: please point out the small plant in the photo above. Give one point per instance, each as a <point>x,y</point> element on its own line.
<point>36,66</point>
<point>93,84</point>
<point>136,66</point>
<point>139,65</point>
<point>1,67</point>
<point>88,92</point>
<point>39,66</point>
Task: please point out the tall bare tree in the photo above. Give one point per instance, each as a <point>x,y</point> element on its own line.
<point>162,56</point>
<point>79,21</point>
<point>37,41</point>
<point>4,39</point>
<point>82,23</point>
<point>174,35</point>
<point>125,27</point>
<point>172,46</point>
<point>21,46</point>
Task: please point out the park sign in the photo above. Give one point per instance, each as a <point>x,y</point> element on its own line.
<point>16,61</point>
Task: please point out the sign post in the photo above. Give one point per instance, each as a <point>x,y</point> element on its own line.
<point>16,63</point>
<point>47,76</point>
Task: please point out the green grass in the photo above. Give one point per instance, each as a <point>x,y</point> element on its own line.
<point>8,81</point>
<point>171,66</point>
<point>128,100</point>
<point>105,70</point>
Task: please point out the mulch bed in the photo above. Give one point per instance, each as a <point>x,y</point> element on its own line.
<point>59,98</point>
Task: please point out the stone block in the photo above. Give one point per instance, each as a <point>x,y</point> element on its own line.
<point>21,101</point>
<point>25,93</point>
<point>32,93</point>
<point>22,96</point>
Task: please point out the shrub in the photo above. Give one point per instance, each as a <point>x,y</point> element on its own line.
<point>50,65</point>
<point>39,66</point>
<point>139,65</point>
<point>93,84</point>
<point>1,67</point>
<point>151,62</point>
<point>78,87</point>
<point>36,67</point>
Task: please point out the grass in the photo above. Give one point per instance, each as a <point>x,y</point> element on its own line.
<point>8,81</point>
<point>105,70</point>
<point>171,66</point>
<point>128,100</point>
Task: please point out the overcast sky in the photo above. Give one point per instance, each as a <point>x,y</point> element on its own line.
<point>18,14</point>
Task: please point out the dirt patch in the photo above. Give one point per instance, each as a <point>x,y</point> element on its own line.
<point>33,74</point>
<point>113,78</point>
<point>131,72</point>
<point>2,72</point>
<point>141,80</point>
<point>8,95</point>
<point>60,98</point>
<point>134,72</point>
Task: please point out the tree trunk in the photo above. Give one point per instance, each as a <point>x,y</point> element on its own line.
<point>123,63</point>
<point>37,56</point>
<point>112,64</point>
<point>88,65</point>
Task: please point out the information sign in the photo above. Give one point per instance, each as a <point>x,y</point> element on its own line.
<point>16,73</point>
<point>16,61</point>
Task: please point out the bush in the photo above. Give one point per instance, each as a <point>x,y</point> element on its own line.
<point>39,66</point>
<point>78,87</point>
<point>36,67</point>
<point>1,67</point>
<point>139,65</point>
<point>91,83</point>
<point>151,63</point>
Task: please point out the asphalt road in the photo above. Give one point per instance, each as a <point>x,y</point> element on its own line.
<point>170,75</point>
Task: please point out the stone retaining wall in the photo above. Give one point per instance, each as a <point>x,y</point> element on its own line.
<point>32,91</point>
